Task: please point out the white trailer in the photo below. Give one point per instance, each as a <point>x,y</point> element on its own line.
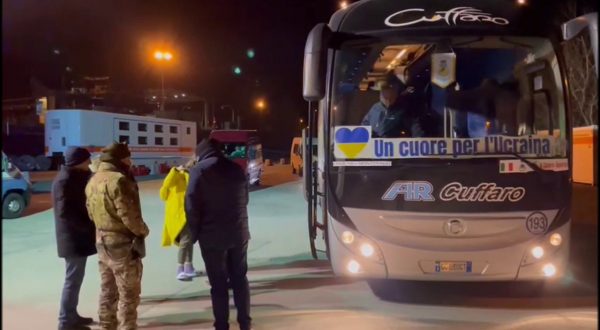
<point>156,143</point>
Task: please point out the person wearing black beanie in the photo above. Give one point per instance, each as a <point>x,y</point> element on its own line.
<point>75,232</point>
<point>216,212</point>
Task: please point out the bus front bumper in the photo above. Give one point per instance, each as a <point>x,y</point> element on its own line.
<point>392,261</point>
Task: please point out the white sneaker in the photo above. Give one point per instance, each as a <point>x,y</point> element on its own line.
<point>184,277</point>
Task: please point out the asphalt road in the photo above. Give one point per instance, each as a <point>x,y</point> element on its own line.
<point>289,289</point>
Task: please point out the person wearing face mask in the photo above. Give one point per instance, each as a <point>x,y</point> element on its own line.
<point>75,232</point>
<point>390,117</point>
<point>113,203</point>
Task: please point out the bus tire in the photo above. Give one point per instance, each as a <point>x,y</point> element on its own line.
<point>13,205</point>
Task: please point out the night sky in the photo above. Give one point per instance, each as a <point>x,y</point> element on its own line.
<point>117,39</point>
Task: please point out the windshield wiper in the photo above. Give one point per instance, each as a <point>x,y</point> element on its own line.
<point>531,164</point>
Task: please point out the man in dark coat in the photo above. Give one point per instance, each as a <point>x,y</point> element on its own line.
<point>216,209</point>
<point>75,232</point>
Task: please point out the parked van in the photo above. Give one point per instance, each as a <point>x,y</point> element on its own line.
<point>244,148</point>
<point>16,190</point>
<point>296,159</point>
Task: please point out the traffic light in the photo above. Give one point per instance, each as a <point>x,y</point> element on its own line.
<point>237,70</point>
<point>250,53</point>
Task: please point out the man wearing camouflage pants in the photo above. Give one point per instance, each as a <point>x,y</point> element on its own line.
<point>113,204</point>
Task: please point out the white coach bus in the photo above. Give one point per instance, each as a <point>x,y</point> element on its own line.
<point>467,176</point>
<point>156,144</point>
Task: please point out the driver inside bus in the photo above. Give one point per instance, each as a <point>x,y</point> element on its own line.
<point>390,117</point>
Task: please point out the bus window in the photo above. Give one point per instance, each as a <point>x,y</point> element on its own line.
<point>494,92</point>
<point>234,150</point>
<point>239,152</point>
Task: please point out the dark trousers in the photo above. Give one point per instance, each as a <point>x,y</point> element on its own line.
<point>223,264</point>
<point>75,271</point>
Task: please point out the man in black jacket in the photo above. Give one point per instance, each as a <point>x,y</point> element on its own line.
<point>75,232</point>
<point>216,209</point>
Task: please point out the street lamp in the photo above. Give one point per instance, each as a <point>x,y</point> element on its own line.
<point>162,56</point>
<point>261,104</point>
<point>343,4</point>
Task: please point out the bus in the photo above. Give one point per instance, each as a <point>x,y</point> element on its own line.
<point>156,144</point>
<point>443,130</point>
<point>245,149</point>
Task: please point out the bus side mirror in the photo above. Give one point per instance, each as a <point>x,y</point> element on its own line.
<point>315,62</point>
<point>574,27</point>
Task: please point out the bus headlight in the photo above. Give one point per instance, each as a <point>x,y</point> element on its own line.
<point>543,249</point>
<point>555,239</point>
<point>537,252</point>
<point>358,244</point>
<point>353,267</point>
<point>549,270</point>
<point>367,250</point>
<point>347,237</point>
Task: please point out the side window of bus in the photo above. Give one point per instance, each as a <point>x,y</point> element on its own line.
<point>537,109</point>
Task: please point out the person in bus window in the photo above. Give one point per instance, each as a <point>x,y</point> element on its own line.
<point>390,117</point>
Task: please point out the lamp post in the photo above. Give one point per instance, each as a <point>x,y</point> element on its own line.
<point>166,57</point>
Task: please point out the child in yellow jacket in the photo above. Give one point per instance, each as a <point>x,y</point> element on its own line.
<point>175,230</point>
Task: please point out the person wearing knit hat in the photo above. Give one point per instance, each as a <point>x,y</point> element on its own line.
<point>216,211</point>
<point>115,152</point>
<point>75,232</point>
<point>113,203</point>
<point>76,155</point>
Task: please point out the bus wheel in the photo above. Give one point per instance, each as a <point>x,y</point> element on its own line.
<point>12,206</point>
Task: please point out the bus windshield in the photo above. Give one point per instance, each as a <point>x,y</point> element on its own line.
<point>503,94</point>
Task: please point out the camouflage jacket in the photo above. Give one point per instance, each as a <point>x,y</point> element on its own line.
<point>113,203</point>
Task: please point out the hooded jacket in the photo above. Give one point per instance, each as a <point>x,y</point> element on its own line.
<point>173,193</point>
<point>216,200</point>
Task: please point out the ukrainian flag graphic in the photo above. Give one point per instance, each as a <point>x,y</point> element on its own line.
<point>351,142</point>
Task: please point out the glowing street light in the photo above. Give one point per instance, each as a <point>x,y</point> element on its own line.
<point>261,104</point>
<point>343,4</point>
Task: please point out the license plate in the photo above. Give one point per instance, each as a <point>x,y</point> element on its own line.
<point>453,267</point>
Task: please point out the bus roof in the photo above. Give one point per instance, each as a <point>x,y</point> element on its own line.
<point>450,17</point>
